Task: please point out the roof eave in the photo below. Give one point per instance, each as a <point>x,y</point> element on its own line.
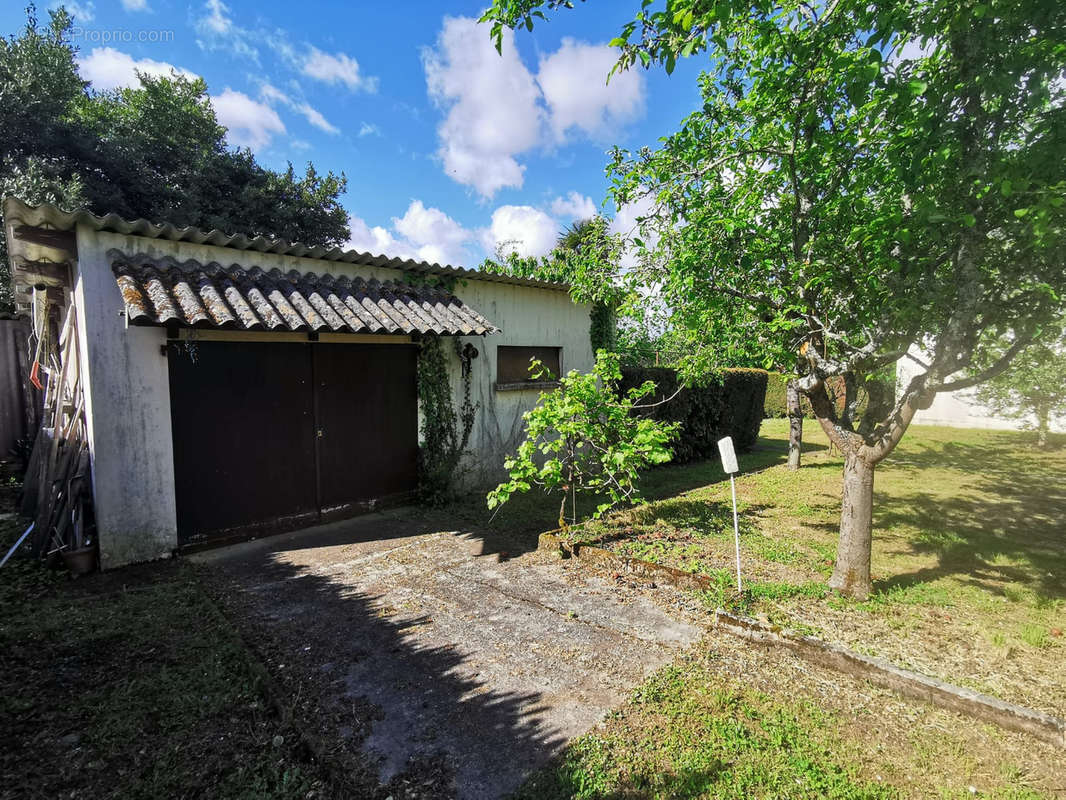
<point>46,214</point>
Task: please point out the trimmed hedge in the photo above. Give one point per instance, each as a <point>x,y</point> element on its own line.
<point>730,405</point>
<point>776,403</point>
<point>775,406</point>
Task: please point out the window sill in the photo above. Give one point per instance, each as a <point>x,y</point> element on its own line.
<point>520,386</point>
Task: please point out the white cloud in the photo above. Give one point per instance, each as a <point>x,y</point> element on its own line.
<point>314,116</point>
<point>912,50</point>
<point>376,240</point>
<point>249,123</point>
<point>272,94</point>
<point>492,105</point>
<point>368,129</point>
<point>108,68</point>
<point>524,230</point>
<point>337,69</point>
<point>429,234</point>
<point>81,11</point>
<point>435,235</point>
<point>217,19</point>
<point>495,109</point>
<point>424,234</point>
<point>574,82</point>
<point>218,31</point>
<point>135,5</point>
<point>575,206</point>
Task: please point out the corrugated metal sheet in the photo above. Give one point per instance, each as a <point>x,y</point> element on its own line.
<point>50,216</point>
<point>161,292</point>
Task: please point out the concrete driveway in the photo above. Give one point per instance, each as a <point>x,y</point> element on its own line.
<point>426,657</point>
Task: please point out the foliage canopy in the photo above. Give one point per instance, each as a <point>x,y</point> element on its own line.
<point>859,180</point>
<point>1033,388</point>
<point>155,151</point>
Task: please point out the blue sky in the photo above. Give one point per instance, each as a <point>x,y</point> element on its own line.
<point>450,150</point>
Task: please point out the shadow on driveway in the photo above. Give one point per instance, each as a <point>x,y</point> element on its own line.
<point>434,670</point>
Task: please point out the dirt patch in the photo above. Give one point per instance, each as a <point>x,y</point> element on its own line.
<point>142,692</point>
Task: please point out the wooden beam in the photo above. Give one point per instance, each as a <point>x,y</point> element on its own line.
<point>49,273</point>
<point>196,334</point>
<point>48,237</point>
<point>53,294</point>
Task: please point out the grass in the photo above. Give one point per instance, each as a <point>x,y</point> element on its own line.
<point>729,721</point>
<point>684,736</point>
<point>134,693</point>
<point>969,558</point>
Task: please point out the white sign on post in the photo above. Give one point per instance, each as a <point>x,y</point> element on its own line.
<point>729,455</point>
<point>729,464</point>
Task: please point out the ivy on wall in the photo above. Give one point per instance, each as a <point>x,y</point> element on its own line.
<point>445,432</point>
<point>603,327</point>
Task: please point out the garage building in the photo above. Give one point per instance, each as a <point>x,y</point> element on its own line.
<point>235,387</point>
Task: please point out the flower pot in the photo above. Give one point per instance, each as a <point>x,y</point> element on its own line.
<point>81,561</point>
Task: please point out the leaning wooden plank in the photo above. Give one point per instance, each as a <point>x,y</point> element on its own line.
<point>56,495</point>
<point>42,482</point>
<point>30,486</point>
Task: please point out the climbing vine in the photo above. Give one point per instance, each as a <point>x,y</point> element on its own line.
<point>603,326</point>
<point>445,433</point>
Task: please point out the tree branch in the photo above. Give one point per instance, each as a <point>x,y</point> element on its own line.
<point>987,374</point>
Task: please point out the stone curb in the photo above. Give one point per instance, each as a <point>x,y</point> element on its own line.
<point>983,707</point>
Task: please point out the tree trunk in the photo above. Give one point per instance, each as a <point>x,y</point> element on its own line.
<point>1043,416</point>
<point>851,575</point>
<point>795,424</point>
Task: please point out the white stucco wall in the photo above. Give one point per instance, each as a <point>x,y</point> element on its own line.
<point>127,403</point>
<point>959,409</point>
<point>128,392</point>
<point>529,317</point>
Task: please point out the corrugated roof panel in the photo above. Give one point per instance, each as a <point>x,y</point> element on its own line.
<point>52,216</point>
<point>163,291</point>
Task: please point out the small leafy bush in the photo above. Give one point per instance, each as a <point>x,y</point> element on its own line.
<point>585,436</point>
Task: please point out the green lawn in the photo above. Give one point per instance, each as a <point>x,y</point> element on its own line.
<point>132,685</point>
<point>969,559</point>
<point>969,554</point>
<point>731,720</point>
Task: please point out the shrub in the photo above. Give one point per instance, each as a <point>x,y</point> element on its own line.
<point>584,436</point>
<point>731,404</point>
<point>775,406</point>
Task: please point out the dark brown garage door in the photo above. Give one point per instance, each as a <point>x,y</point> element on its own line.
<point>274,436</point>
<point>367,414</point>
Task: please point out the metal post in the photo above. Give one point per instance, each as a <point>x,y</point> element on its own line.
<point>736,528</point>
